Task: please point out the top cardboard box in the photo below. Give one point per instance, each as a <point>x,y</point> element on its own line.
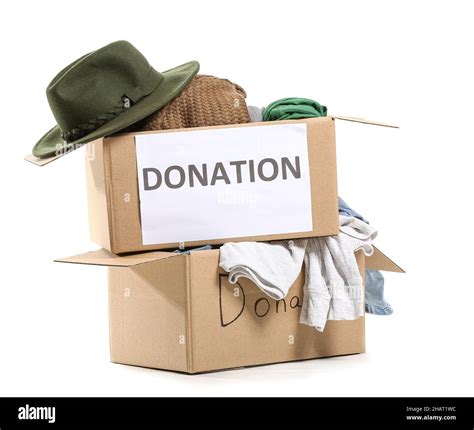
<point>211,185</point>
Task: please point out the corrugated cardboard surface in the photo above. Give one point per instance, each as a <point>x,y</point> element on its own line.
<point>148,314</point>
<point>379,261</point>
<point>102,257</point>
<point>237,325</point>
<point>41,161</point>
<point>364,121</point>
<point>115,185</point>
<point>179,312</point>
<point>99,222</point>
<point>182,314</point>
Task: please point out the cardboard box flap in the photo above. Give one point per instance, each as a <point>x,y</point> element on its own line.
<point>379,261</point>
<point>102,257</point>
<point>364,121</point>
<point>41,161</point>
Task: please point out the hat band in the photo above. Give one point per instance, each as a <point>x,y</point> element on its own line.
<point>85,128</point>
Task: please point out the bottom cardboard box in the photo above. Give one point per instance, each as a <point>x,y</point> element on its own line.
<point>179,312</point>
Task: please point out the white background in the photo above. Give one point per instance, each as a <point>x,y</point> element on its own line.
<point>408,63</point>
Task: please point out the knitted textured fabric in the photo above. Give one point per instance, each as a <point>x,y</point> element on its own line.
<point>206,101</point>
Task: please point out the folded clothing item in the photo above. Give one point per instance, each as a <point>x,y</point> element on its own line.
<point>293,108</point>
<point>206,101</point>
<point>333,285</point>
<point>272,266</point>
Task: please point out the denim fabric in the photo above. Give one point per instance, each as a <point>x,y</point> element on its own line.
<point>344,209</point>
<point>188,251</point>
<point>374,281</point>
<point>374,300</point>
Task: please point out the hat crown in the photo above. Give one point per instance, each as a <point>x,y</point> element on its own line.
<point>98,86</point>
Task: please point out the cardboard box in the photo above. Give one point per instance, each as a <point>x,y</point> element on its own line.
<point>223,209</point>
<point>190,187</point>
<point>178,312</point>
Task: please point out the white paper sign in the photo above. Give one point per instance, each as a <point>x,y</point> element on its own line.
<point>223,183</point>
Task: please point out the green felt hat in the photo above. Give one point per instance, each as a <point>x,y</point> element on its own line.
<point>105,92</point>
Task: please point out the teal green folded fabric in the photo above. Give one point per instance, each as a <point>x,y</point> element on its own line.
<point>293,108</point>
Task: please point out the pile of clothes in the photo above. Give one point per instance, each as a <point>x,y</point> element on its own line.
<point>115,89</point>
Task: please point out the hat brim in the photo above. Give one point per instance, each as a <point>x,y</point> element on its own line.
<point>174,81</point>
